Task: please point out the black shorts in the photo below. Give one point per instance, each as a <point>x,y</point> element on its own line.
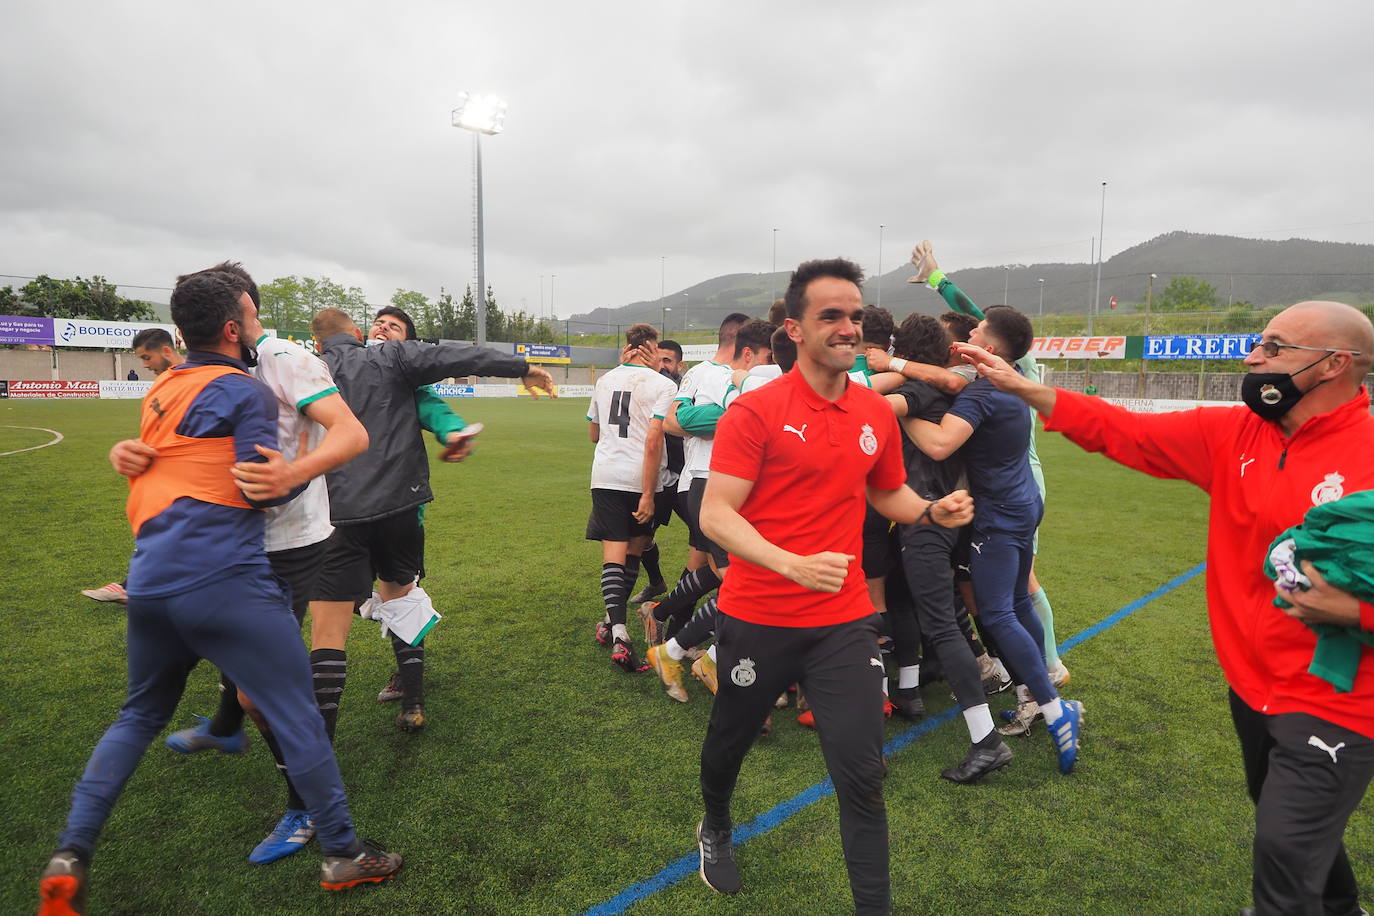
<point>391,549</point>
<point>878,553</point>
<point>695,536</point>
<point>667,502</point>
<point>298,569</point>
<point>613,517</point>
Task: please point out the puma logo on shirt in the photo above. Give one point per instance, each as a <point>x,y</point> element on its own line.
<point>801,433</point>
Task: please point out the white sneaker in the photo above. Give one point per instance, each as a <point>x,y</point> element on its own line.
<point>112,592</point>
<point>1059,675</point>
<point>995,676</point>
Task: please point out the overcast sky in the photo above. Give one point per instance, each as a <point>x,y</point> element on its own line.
<point>145,139</point>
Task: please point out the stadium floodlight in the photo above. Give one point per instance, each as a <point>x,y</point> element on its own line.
<point>481,114</point>
<point>485,114</point>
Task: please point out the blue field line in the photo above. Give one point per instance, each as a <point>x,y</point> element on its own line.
<point>687,865</point>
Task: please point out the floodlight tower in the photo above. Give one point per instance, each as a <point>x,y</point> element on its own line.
<point>481,114</point>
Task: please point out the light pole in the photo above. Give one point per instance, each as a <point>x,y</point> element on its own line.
<point>1101,224</point>
<point>775,266</point>
<point>541,297</point>
<point>552,277</point>
<point>686,302</point>
<point>1042,297</point>
<point>880,265</point>
<point>1006,284</point>
<point>664,322</point>
<point>662,272</point>
<point>481,114</point>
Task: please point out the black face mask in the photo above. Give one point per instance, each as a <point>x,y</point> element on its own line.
<point>1272,394</point>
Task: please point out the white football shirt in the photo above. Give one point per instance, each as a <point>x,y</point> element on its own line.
<point>709,385</point>
<point>298,378</point>
<point>625,401</point>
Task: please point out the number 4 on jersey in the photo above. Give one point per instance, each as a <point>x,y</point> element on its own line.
<point>620,412</point>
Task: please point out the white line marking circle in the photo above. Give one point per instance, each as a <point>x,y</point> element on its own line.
<point>57,437</point>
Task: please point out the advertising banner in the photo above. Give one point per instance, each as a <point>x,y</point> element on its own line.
<point>576,391</point>
<point>544,353</point>
<point>1078,348</point>
<point>695,353</point>
<point>80,332</point>
<point>124,390</point>
<point>1164,405</point>
<point>27,389</point>
<point>1200,346</point>
<point>4,389</point>
<point>16,329</point>
<point>454,391</point>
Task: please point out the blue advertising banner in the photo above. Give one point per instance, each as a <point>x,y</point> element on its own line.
<point>1200,346</point>
<point>544,353</point>
<point>16,329</point>
<point>454,391</point>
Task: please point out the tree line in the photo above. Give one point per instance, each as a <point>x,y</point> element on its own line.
<point>288,304</point>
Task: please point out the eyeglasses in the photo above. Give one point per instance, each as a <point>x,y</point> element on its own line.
<point>1271,348</point>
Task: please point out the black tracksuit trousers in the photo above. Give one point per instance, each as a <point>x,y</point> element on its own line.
<point>840,670</point>
<point>1306,776</point>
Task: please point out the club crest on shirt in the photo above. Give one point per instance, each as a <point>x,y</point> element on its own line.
<point>867,441</point>
<point>1329,490</point>
<point>743,674</point>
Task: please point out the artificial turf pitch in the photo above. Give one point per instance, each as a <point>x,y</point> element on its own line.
<point>549,781</point>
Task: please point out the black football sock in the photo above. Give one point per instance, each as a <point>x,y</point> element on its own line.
<point>293,800</point>
<point>649,560</point>
<point>684,596</point>
<point>410,662</point>
<point>330,669</point>
<point>631,573</point>
<point>614,592</point>
<point>228,718</point>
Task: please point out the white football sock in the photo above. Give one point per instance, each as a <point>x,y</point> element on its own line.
<point>620,632</point>
<point>674,650</point>
<point>979,721</point>
<point>1052,711</point>
<point>909,676</point>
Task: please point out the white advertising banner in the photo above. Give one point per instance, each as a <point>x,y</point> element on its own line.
<point>695,353</point>
<point>124,390</point>
<point>1164,405</point>
<point>80,332</point>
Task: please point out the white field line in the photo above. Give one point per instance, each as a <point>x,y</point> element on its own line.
<point>57,437</point>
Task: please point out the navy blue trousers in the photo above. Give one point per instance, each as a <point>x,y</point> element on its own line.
<point>244,625</point>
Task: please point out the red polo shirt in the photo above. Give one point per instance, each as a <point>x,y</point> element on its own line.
<point>810,460</point>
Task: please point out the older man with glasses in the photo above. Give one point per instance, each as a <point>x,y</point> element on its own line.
<point>1304,437</point>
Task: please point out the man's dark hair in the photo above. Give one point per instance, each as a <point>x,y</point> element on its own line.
<point>401,314</point>
<point>777,312</point>
<point>152,339</point>
<point>922,339</point>
<point>202,302</point>
<point>640,334</point>
<point>235,270</point>
<point>729,327</point>
<point>671,345</point>
<point>839,268</point>
<point>755,334</point>
<point>878,326</point>
<point>1011,329</point>
<point>959,325</point>
<point>784,350</point>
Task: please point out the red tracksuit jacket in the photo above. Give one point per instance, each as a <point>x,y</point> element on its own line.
<point>1260,484</point>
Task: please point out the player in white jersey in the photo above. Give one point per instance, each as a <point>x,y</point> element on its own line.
<point>626,423</point>
<point>316,432</point>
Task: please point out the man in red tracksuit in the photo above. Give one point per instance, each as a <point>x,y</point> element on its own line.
<point>1304,437</point>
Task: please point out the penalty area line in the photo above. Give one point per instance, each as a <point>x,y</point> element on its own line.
<point>681,868</point>
<point>57,437</point>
